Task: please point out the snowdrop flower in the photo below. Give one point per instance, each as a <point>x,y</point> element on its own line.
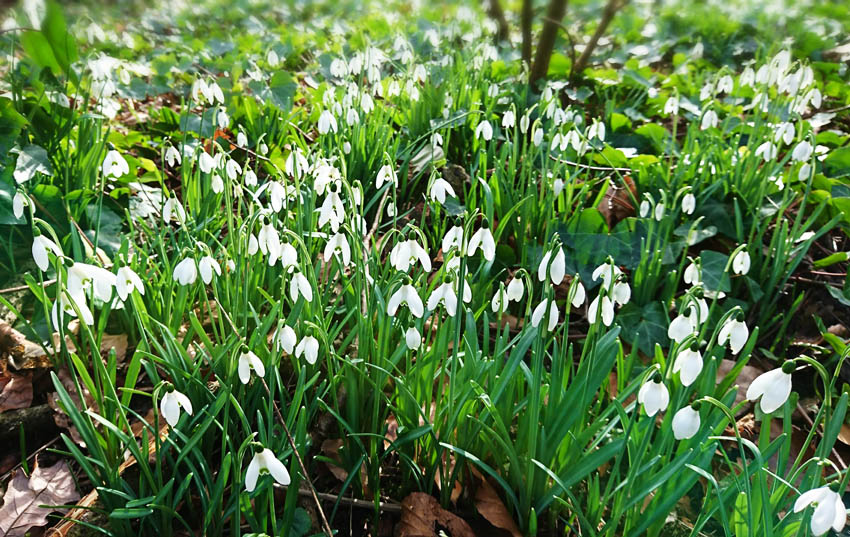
<point>685,423</point>
<point>453,238</point>
<point>241,139</point>
<point>338,246</point>
<point>386,175</point>
<point>772,387</point>
<point>171,403</point>
<point>216,184</point>
<point>509,119</point>
<point>173,208</point>
<point>483,238</point>
<point>232,169</point>
<point>688,364</point>
<point>689,203</point>
<point>265,462</point>
<point>537,137</point>
<point>515,289</point>
<point>126,281</point>
<point>207,265</point>
<point>82,276</point>
<point>524,122</point>
<point>608,271</point>
<point>829,509</point>
<point>18,203</point>
<point>285,339</point>
<point>692,275</point>
<point>556,268</point>
<point>296,163</point>
<point>802,152</point>
<point>248,361</point>
<point>114,165</point>
<point>621,292</point>
<point>484,130</point>
<point>407,295</point>
<point>268,240</point>
<point>412,338</point>
<point>445,295</point>
<point>683,325</point>
<point>709,120</point>
<point>671,107</point>
<point>500,301</point>
<point>741,262</point>
<point>546,306</point>
<point>206,162</point>
<point>172,156</point>
<point>439,188</point>
<point>405,254</point>
<point>654,397</point>
<point>185,273</point>
<point>644,208</point>
<point>767,151</point>
<point>288,255</point>
<point>66,302</point>
<point>735,332</point>
<point>309,347</point>
<point>579,295</point>
<point>659,211</point>
<point>41,245</point>
<point>607,309</point>
<point>300,285</point>
<point>327,122</point>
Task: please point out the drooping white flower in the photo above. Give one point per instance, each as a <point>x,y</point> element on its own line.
<point>546,307</point>
<point>82,277</point>
<point>170,406</point>
<point>407,295</point>
<point>741,262</point>
<point>688,364</point>
<point>250,177</point>
<point>114,165</point>
<point>185,272</point>
<point>689,203</point>
<point>609,273</point>
<point>412,338</point>
<point>557,269</point>
<point>654,397</point>
<point>452,239</point>
<point>444,294</point>
<point>802,152</point>
<point>607,308</point>
<point>483,238</point>
<point>659,211</point>
<point>515,289</point>
<point>671,107</point>
<point>406,253</point>
<point>621,292</point>
<point>309,347</point>
<point>206,162</point>
<point>735,332</point>
<point>579,295</point>
<point>709,120</point>
<point>18,203</point>
<point>248,361</point>
<point>683,325</point>
<point>285,338</point>
<point>484,130</point>
<point>206,266</point>
<point>439,189</point>
<point>829,512</point>
<point>500,301</point>
<point>772,387</point>
<point>126,281</point>
<point>173,208</point>
<point>300,285</point>
<point>327,122</point>
<point>268,240</point>
<point>172,156</point>
<point>66,302</point>
<point>767,151</point>
<point>41,245</point>
<point>691,275</point>
<point>686,423</point>
<point>386,175</point>
<point>265,462</point>
<point>338,246</point>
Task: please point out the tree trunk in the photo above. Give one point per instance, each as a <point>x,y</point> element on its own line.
<point>525,24</point>
<point>554,15</point>
<point>611,9</point>
<point>498,15</point>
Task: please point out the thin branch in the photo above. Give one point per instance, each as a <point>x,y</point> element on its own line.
<point>611,9</point>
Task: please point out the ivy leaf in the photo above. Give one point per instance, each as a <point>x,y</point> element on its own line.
<point>31,160</point>
<point>644,327</point>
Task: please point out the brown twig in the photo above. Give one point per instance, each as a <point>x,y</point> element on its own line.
<point>611,9</point>
<point>25,287</point>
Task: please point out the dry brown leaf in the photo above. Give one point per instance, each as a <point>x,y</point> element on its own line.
<point>490,505</point>
<point>844,434</point>
<point>19,351</point>
<point>330,449</point>
<point>747,375</point>
<point>617,202</point>
<point>392,431</point>
<point>15,392</point>
<point>421,514</point>
<point>21,504</point>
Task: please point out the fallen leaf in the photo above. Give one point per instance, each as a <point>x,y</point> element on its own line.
<point>19,351</point>
<point>23,499</point>
<point>330,449</point>
<point>15,392</point>
<point>617,202</point>
<point>747,375</point>
<point>422,516</point>
<point>491,507</point>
